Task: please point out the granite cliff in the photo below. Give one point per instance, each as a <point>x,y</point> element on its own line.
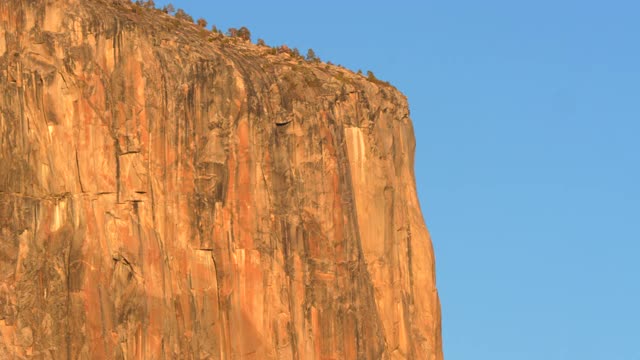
<point>171,193</point>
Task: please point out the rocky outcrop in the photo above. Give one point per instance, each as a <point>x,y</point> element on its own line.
<point>169,193</point>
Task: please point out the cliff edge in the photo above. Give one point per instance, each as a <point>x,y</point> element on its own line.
<point>171,193</point>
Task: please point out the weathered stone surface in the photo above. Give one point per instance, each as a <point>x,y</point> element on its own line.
<point>169,194</point>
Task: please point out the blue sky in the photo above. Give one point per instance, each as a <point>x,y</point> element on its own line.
<point>527,118</point>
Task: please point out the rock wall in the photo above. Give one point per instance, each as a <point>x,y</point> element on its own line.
<point>168,193</point>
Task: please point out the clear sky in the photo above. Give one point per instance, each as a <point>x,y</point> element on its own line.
<point>527,119</point>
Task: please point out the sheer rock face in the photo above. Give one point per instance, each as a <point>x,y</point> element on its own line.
<point>166,193</point>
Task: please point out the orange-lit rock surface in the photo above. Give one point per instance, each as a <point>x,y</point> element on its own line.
<point>168,193</point>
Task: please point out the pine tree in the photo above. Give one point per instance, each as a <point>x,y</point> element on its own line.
<point>311,55</point>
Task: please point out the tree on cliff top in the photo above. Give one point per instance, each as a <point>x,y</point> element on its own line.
<point>311,55</point>
<point>182,15</point>
<point>149,4</point>
<point>242,33</point>
<point>169,9</point>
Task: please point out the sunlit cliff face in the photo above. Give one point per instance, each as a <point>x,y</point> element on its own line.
<point>166,192</point>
